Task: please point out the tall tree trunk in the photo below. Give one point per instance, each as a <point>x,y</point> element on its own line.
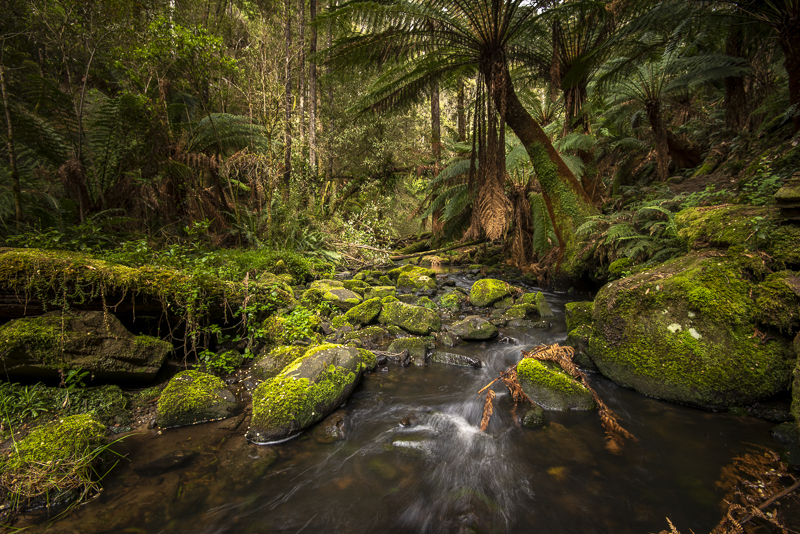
<point>789,39</point>
<point>12,155</point>
<point>660,134</point>
<point>329,44</point>
<point>460,115</point>
<point>287,130</point>
<point>567,202</point>
<point>735,103</point>
<point>312,91</point>
<point>436,125</point>
<point>301,71</point>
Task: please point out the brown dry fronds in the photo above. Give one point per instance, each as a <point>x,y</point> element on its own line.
<point>760,480</point>
<point>495,210</point>
<point>488,409</point>
<point>562,356</point>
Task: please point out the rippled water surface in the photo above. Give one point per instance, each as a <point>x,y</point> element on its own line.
<point>440,474</point>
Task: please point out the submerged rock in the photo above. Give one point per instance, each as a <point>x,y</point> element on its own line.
<point>551,388</point>
<point>37,347</point>
<point>488,291</point>
<point>305,392</point>
<point>412,319</point>
<point>474,328</point>
<point>692,330</point>
<point>330,429</point>
<point>192,397</point>
<point>417,348</point>
<point>452,358</point>
<point>533,418</point>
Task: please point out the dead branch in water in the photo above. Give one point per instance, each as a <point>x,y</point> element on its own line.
<point>562,356</point>
<point>615,434</point>
<point>488,410</point>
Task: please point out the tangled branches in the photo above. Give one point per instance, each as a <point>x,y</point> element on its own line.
<point>562,356</point>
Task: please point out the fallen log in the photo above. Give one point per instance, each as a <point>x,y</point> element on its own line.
<point>436,251</point>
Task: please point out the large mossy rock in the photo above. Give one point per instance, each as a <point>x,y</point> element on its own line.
<point>413,319</point>
<point>380,292</point>
<point>417,348</point>
<point>488,291</point>
<point>193,397</point>
<point>551,388</point>
<point>693,330</point>
<point>334,292</point>
<point>365,313</point>
<point>474,328</point>
<point>35,348</point>
<point>453,300</point>
<point>578,314</point>
<point>307,391</point>
<point>276,360</point>
<point>796,384</point>
<point>412,271</point>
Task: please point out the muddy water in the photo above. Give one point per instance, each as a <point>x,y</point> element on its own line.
<point>438,473</point>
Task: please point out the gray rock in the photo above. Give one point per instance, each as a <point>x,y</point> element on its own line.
<point>474,328</point>
<point>452,358</point>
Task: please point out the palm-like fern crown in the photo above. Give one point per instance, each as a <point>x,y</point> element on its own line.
<point>423,41</point>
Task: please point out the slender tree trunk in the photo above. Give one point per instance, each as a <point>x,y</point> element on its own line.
<point>12,155</point>
<point>660,135</point>
<point>460,115</point>
<point>789,39</point>
<point>436,127</point>
<point>312,91</point>
<point>329,165</point>
<point>567,202</point>
<point>301,77</point>
<point>287,131</point>
<point>735,103</point>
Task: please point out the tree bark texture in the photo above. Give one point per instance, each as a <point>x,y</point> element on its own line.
<point>789,39</point>
<point>567,202</point>
<point>660,134</point>
<point>301,70</point>
<point>287,130</point>
<point>312,90</point>
<point>436,125</point>
<point>460,115</point>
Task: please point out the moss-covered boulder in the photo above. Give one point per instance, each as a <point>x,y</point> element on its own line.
<point>413,319</point>
<point>365,313</point>
<point>334,292</point>
<point>691,331</point>
<point>474,328</point>
<point>453,300</point>
<point>417,348</point>
<point>63,446</point>
<point>551,388</point>
<point>370,337</point>
<point>488,291</point>
<point>305,392</point>
<point>578,338</point>
<point>796,384</point>
<point>412,271</point>
<point>541,305</point>
<point>192,397</point>
<point>578,313</point>
<point>425,302</point>
<point>276,360</point>
<point>35,348</point>
<point>520,311</point>
<point>412,282</point>
<point>380,292</point>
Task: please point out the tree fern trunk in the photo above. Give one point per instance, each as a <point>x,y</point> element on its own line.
<point>12,155</point>
<point>735,103</point>
<point>287,130</point>
<point>461,118</point>
<point>660,134</point>
<point>567,202</point>
<point>301,70</point>
<point>436,127</point>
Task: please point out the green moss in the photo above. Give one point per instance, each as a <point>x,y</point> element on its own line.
<point>352,285</point>
<point>369,359</point>
<point>384,280</point>
<point>578,314</point>
<point>188,393</point>
<point>300,395</point>
<point>452,301</point>
<point>488,291</point>
<point>276,360</point>
<point>684,331</point>
<point>413,319</point>
<point>380,292</point>
<point>778,301</point>
<point>520,311</point>
<point>64,439</point>
<point>425,302</point>
<point>548,375</point>
<point>339,321</point>
<point>390,298</point>
<point>41,337</point>
<point>417,348</point>
<point>619,266</point>
<point>364,313</point>
<point>412,271</point>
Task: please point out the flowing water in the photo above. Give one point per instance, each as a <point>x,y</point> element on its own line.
<point>436,472</point>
